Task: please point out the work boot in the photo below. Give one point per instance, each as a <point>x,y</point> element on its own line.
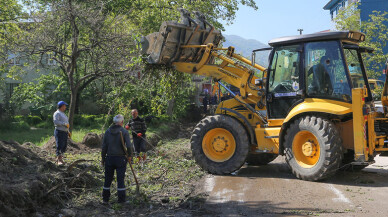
<point>60,160</point>
<point>121,196</point>
<point>105,195</point>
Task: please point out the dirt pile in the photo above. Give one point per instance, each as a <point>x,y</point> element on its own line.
<point>28,182</point>
<point>91,144</point>
<point>93,140</point>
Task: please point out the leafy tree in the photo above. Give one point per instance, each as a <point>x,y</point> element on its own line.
<point>41,94</point>
<point>95,46</point>
<point>376,32</point>
<point>147,15</point>
<point>86,43</point>
<point>10,14</point>
<point>154,91</point>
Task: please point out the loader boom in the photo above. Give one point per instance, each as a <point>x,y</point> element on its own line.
<point>183,48</point>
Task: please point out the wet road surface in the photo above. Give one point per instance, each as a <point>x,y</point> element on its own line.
<point>272,190</point>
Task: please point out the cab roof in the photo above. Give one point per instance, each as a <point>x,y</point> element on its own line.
<point>350,36</point>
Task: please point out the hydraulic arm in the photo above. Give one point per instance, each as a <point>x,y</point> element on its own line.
<point>193,47</point>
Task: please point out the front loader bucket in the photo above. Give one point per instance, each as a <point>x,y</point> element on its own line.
<point>165,46</point>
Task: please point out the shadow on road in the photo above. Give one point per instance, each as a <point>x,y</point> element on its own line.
<point>259,208</point>
<point>368,177</point>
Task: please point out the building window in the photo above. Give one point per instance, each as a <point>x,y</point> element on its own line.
<point>10,88</point>
<point>50,60</point>
<point>13,60</point>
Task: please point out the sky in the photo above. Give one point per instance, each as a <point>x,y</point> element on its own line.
<point>277,18</point>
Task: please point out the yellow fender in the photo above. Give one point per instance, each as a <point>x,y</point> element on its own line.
<point>320,106</point>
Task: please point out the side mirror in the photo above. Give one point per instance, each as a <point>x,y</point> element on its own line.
<point>253,58</point>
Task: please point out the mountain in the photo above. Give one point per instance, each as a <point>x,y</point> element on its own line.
<point>245,46</point>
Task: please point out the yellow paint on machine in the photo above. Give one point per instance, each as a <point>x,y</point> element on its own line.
<point>320,105</point>
<point>268,139</point>
<point>358,125</point>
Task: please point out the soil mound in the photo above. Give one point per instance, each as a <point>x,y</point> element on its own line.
<point>72,147</point>
<point>28,182</point>
<point>92,140</point>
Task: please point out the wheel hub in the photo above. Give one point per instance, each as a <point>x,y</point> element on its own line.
<point>306,149</point>
<point>309,149</point>
<point>220,144</point>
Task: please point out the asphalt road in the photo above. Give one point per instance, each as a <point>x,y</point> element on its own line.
<point>273,190</point>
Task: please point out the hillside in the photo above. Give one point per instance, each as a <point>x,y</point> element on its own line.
<point>245,46</point>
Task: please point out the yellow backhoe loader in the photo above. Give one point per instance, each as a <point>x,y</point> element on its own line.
<point>312,104</point>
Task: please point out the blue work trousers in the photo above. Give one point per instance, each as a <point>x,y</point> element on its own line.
<point>61,141</point>
<point>112,163</point>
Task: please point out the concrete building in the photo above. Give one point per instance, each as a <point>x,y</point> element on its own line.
<point>24,70</point>
<point>366,8</point>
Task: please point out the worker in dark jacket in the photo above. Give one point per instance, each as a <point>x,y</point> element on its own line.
<point>114,158</point>
<point>138,128</point>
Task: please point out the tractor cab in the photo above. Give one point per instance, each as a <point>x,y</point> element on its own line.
<point>322,66</point>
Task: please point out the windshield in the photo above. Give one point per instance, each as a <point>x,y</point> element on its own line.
<point>325,71</point>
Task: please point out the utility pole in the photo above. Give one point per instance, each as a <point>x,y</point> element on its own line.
<point>300,31</point>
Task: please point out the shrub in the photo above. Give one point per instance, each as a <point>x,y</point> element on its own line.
<point>18,118</point>
<point>33,120</point>
<point>18,126</point>
<point>89,120</point>
<point>45,124</point>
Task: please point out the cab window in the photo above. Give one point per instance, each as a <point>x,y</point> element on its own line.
<point>325,71</point>
<point>354,68</point>
<point>284,76</point>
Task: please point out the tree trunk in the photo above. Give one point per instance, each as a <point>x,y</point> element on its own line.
<point>73,101</point>
<point>77,104</point>
<point>170,107</point>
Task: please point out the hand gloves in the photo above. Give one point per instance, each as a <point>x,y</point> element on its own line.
<point>67,125</point>
<point>127,127</point>
<point>69,134</point>
<point>139,134</point>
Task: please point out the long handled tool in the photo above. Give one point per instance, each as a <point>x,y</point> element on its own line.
<point>153,147</point>
<point>130,164</point>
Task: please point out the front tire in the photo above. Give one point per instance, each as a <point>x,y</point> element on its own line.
<point>220,144</point>
<point>313,148</point>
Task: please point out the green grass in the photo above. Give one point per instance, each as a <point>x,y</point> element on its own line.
<point>40,136</point>
<point>36,136</point>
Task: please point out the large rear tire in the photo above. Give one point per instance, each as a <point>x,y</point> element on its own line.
<point>313,148</point>
<point>220,144</point>
<point>260,159</point>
